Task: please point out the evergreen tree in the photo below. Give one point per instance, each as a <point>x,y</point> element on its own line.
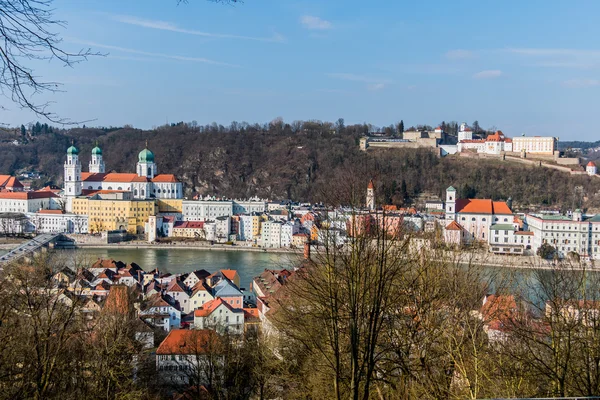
<point>23,130</point>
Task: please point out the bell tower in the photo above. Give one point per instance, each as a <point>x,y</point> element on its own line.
<point>72,177</point>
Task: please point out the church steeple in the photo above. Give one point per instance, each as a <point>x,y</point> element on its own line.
<point>371,196</point>
<point>97,163</point>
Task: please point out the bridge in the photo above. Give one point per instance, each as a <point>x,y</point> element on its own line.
<point>39,243</point>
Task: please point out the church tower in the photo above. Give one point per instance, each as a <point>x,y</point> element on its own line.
<point>72,177</point>
<point>450,203</point>
<point>146,166</point>
<point>371,196</point>
<point>96,163</point>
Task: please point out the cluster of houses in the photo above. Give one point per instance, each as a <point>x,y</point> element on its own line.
<point>188,307</point>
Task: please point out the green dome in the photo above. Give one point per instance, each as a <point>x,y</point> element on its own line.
<point>72,151</point>
<point>146,156</point>
<point>96,151</point>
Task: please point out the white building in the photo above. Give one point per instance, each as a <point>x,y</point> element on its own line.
<point>219,316</point>
<point>28,202</point>
<point>578,233</point>
<point>249,206</point>
<point>181,358</point>
<point>591,168</point>
<point>271,234</point>
<point>476,216</point>
<point>535,144</point>
<point>57,221</point>
<point>464,132</point>
<point>288,230</point>
<point>202,210</point>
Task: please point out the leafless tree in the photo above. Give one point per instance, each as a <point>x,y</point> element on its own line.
<point>28,29</point>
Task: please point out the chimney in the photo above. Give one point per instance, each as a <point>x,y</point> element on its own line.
<point>307,251</point>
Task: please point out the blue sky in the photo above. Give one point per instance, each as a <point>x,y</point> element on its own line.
<point>522,66</point>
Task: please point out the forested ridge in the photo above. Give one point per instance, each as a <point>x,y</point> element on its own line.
<point>303,161</point>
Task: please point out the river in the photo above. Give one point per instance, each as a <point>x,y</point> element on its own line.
<point>176,261</point>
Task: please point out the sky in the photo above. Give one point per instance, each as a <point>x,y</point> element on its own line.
<point>525,67</point>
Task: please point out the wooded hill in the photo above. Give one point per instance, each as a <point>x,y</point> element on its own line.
<point>303,161</point>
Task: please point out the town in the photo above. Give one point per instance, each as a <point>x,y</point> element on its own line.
<point>100,207</point>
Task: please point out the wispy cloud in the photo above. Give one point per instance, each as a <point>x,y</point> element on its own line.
<point>559,57</point>
<point>581,83</point>
<point>315,23</point>
<point>151,54</point>
<point>358,78</point>
<point>488,74</point>
<point>459,54</point>
<point>375,86</point>
<point>167,26</point>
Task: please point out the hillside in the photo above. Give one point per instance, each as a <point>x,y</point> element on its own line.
<point>305,162</point>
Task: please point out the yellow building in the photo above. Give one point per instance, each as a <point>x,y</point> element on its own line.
<point>189,229</point>
<point>256,223</point>
<point>112,211</point>
<point>170,205</point>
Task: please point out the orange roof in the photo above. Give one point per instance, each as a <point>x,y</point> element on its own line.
<point>13,183</point>
<point>185,341</point>
<point>165,178</point>
<point>4,179</point>
<point>454,226</point>
<point>390,207</point>
<point>524,233</point>
<point>229,274</point>
<point>50,212</point>
<point>250,313</point>
<point>482,206</point>
<point>473,141</point>
<point>371,186</point>
<point>591,164</point>
<point>210,306</point>
<point>26,195</point>
<point>496,137</point>
<point>174,286</point>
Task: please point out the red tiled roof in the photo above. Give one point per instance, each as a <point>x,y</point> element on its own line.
<point>482,206</point>
<point>174,286</point>
<point>185,341</point>
<point>251,313</point>
<point>211,306</point>
<point>189,224</point>
<point>496,137</point>
<point>59,212</point>
<point>472,141</point>
<point>591,164</point>
<point>527,233</point>
<point>229,274</point>
<point>454,226</point>
<point>27,195</point>
<point>371,186</point>
<point>165,178</point>
<point>13,183</point>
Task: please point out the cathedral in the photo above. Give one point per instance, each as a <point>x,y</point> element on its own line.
<point>145,183</point>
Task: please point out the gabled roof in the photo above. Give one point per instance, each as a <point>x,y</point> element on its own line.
<point>454,226</point>
<point>210,306</point>
<point>186,341</point>
<point>591,164</point>
<point>229,274</point>
<point>165,178</point>
<point>482,206</point>
<point>225,288</point>
<point>175,286</point>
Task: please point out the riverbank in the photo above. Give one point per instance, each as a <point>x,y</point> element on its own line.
<point>181,246</point>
